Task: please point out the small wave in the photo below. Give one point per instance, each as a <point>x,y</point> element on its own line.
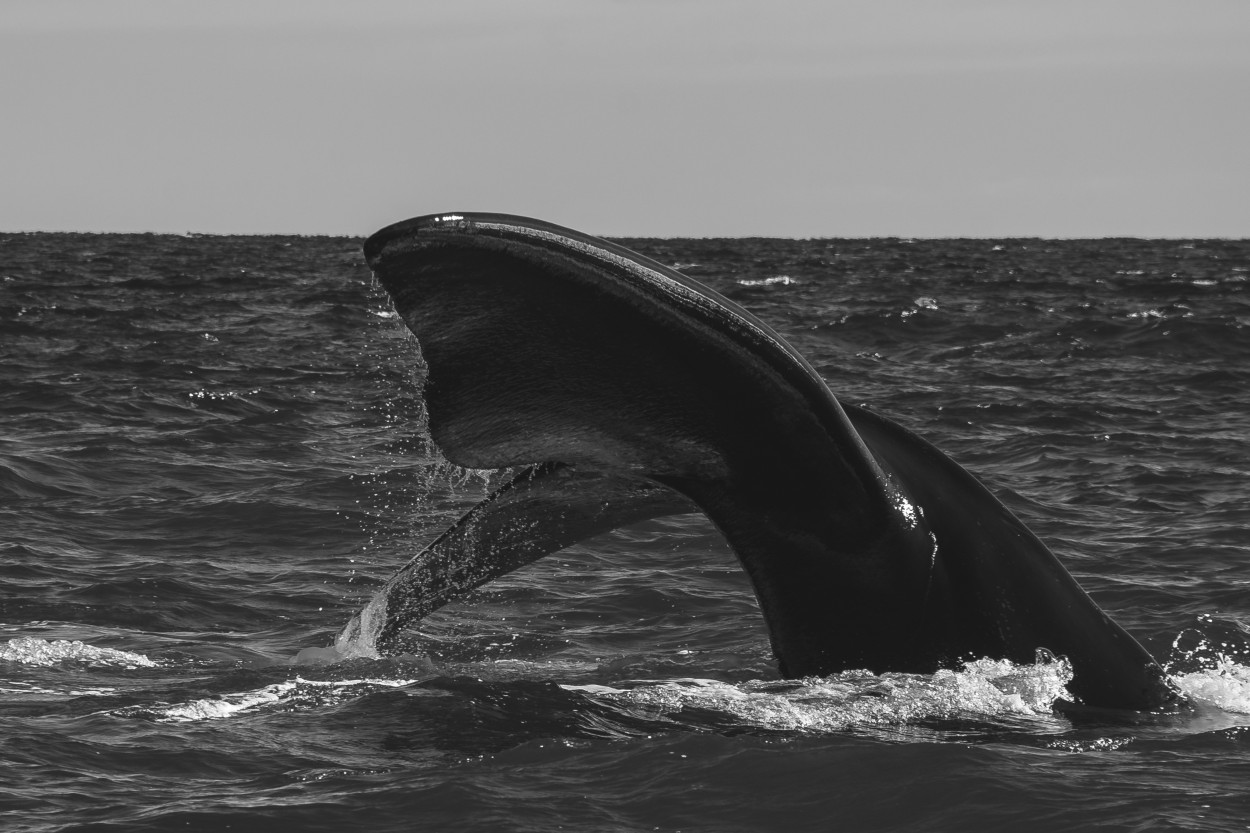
<point>291,694</point>
<point>31,651</point>
<point>984,688</point>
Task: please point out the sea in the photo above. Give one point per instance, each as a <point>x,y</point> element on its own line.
<point>213,453</point>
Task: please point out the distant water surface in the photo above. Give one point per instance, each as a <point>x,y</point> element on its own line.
<point>212,453</point>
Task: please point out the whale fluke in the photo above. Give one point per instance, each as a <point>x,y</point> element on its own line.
<point>626,390</point>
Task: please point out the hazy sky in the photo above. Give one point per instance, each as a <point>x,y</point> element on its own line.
<point>623,117</point>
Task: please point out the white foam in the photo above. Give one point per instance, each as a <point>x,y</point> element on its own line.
<point>1227,686</point>
<point>217,708</point>
<point>985,688</point>
<point>1219,679</point>
<point>31,651</point>
<point>295,692</point>
<point>776,280</point>
<point>28,690</point>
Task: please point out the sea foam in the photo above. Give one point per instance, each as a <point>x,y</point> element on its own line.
<point>984,688</point>
<point>31,651</point>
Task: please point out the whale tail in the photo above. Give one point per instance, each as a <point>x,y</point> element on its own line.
<point>627,390</point>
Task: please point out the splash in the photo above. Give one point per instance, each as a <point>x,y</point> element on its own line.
<point>1227,686</point>
<point>1209,663</point>
<point>984,688</point>
<point>357,640</point>
<point>31,651</point>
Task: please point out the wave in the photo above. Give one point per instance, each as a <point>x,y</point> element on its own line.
<point>981,689</point>
<point>981,693</point>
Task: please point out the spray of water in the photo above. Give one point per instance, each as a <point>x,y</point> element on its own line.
<point>1210,663</point>
<point>357,640</point>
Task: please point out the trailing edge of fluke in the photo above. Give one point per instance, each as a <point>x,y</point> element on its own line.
<point>624,390</point>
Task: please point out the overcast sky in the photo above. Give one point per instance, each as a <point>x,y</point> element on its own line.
<point>629,117</point>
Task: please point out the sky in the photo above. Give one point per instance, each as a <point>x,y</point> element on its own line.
<point>697,118</point>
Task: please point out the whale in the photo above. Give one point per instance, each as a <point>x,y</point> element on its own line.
<point>615,389</point>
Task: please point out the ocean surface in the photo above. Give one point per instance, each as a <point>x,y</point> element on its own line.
<point>212,454</point>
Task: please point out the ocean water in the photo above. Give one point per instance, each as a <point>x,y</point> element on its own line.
<point>212,454</point>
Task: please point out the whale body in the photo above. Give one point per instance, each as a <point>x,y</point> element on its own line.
<point>624,390</point>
